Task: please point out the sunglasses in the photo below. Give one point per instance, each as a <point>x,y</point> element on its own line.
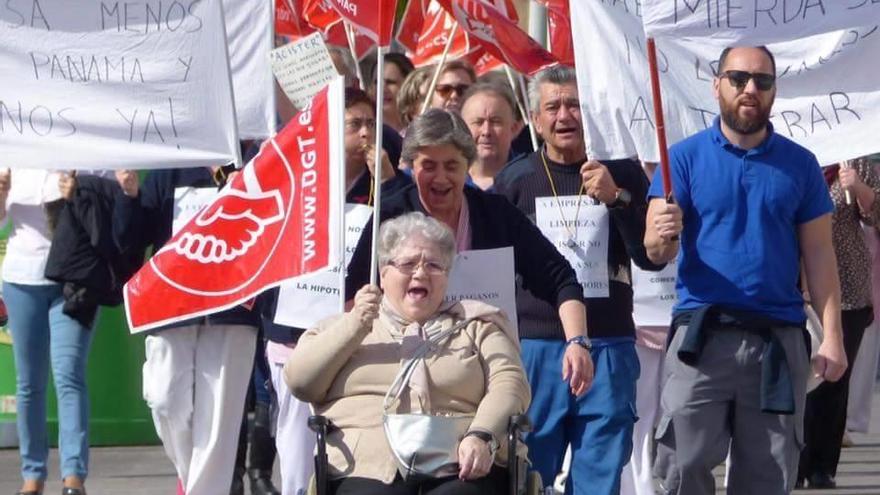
<point>740,78</point>
<point>445,90</point>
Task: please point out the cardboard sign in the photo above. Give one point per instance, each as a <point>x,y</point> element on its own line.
<point>304,301</point>
<point>303,68</point>
<point>579,228</point>
<point>654,295</point>
<point>109,84</point>
<point>485,275</point>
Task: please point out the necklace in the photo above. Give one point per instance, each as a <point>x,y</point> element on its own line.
<point>572,234</point>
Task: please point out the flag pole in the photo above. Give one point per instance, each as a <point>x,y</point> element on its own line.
<point>524,105</point>
<point>377,168</point>
<point>430,94</point>
<point>349,36</point>
<point>846,192</point>
<point>661,123</point>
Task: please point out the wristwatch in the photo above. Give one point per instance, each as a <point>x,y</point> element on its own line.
<point>622,198</point>
<point>486,437</point>
<point>581,340</point>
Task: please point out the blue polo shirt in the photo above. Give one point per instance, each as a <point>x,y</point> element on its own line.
<point>742,209</point>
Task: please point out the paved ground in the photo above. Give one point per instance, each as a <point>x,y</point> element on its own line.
<point>146,470</point>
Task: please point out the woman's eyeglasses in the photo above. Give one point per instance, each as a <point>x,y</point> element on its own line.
<point>740,78</point>
<point>408,267</point>
<point>445,90</point>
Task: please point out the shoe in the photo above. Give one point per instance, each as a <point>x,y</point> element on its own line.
<point>261,483</point>
<point>73,491</point>
<point>822,481</point>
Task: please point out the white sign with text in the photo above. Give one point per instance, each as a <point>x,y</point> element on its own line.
<point>303,68</point>
<point>654,295</point>
<point>752,22</point>
<point>304,301</point>
<point>579,228</point>
<point>485,275</point>
<point>111,84</point>
<point>837,118</point>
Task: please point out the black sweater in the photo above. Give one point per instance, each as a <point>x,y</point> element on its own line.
<point>524,180</point>
<point>494,223</point>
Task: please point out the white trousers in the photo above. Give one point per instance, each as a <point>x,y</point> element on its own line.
<point>637,477</point>
<point>195,382</point>
<point>862,380</point>
<point>294,441</point>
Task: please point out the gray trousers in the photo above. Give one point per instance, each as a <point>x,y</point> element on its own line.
<point>714,407</point>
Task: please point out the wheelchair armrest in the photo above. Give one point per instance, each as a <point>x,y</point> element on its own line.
<point>519,423</point>
<point>319,423</point>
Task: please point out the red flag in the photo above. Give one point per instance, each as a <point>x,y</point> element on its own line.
<point>374,17</point>
<point>500,36</point>
<point>319,13</point>
<point>483,61</point>
<point>561,44</point>
<point>288,21</point>
<point>335,35</point>
<point>273,221</point>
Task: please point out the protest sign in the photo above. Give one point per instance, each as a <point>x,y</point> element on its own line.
<point>579,228</point>
<point>304,301</point>
<point>654,295</point>
<point>303,68</point>
<point>110,84</point>
<point>249,34</point>
<point>485,275</point>
<point>834,117</point>
<point>275,220</point>
<point>752,22</point>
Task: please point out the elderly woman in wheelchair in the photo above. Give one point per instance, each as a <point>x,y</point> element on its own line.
<point>419,390</point>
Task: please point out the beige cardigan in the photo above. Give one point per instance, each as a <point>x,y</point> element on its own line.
<point>345,370</point>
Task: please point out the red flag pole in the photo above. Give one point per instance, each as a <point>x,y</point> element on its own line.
<point>430,94</point>
<point>377,168</point>
<point>352,47</point>
<point>658,118</point>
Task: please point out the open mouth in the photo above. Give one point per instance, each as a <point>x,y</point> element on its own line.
<point>441,191</point>
<point>417,293</point>
<point>566,131</point>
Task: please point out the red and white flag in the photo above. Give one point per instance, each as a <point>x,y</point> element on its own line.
<point>375,18</point>
<point>502,37</point>
<point>559,17</point>
<point>277,219</point>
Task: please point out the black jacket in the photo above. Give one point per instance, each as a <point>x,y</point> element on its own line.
<point>84,256</point>
<point>494,223</point>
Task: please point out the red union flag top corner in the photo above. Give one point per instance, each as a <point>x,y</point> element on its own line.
<point>375,18</point>
<point>499,35</point>
<point>277,219</point>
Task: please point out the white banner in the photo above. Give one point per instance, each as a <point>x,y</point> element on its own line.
<point>485,275</point>
<point>249,31</point>
<point>306,300</point>
<point>303,68</point>
<point>836,117</point>
<point>579,227</point>
<point>654,295</point>
<point>94,84</point>
<point>753,22</point>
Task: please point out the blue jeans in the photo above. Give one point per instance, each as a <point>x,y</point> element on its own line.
<point>41,334</point>
<point>598,425</point>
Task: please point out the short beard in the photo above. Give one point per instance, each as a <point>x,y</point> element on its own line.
<point>744,126</point>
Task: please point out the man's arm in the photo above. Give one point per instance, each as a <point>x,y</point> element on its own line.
<point>820,267</point>
<point>662,228</point>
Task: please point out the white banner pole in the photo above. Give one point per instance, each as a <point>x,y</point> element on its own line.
<point>377,168</point>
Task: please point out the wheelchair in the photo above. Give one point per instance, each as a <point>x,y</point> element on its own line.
<point>521,481</point>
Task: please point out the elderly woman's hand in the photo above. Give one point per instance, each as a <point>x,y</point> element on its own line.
<point>474,457</point>
<point>366,304</point>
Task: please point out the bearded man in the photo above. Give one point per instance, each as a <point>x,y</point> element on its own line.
<point>749,204</point>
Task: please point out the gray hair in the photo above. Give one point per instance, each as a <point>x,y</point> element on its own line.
<point>437,127</point>
<point>502,91</point>
<point>393,233</point>
<point>558,74</point>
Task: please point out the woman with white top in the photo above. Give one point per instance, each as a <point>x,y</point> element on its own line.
<point>41,334</point>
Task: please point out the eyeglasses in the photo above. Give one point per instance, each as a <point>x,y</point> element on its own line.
<point>740,78</point>
<point>445,90</point>
<point>355,125</point>
<point>408,267</point>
